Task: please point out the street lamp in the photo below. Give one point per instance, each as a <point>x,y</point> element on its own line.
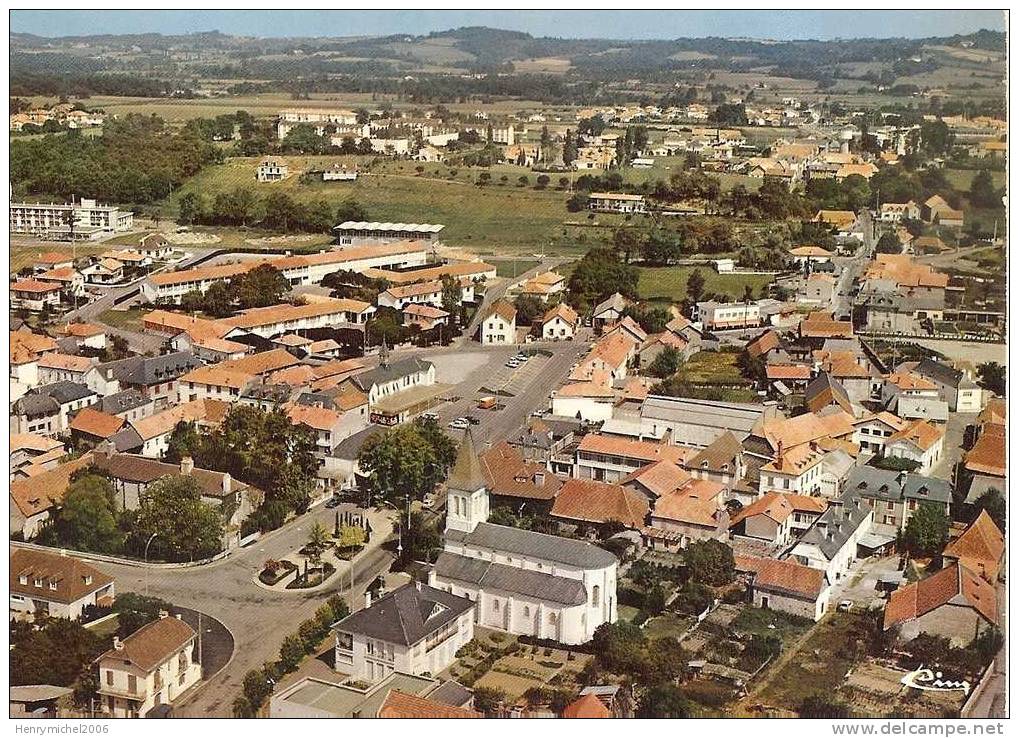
<point>147,544</point>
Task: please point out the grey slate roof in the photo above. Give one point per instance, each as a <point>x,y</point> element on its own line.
<point>35,406</point>
<point>739,417</point>
<point>148,370</point>
<point>943,374</point>
<point>393,371</point>
<point>121,402</point>
<point>451,693</point>
<point>892,486</point>
<point>126,439</point>
<point>615,302</point>
<point>466,475</point>
<point>64,391</point>
<point>406,615</point>
<point>836,525</point>
<point>521,542</point>
<point>491,576</point>
<point>824,381</point>
<point>921,408</point>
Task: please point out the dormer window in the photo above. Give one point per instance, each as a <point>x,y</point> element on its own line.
<point>87,578</point>
<point>53,584</point>
<point>23,579</point>
<point>37,582</point>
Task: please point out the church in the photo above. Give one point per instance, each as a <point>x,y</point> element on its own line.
<point>523,582</point>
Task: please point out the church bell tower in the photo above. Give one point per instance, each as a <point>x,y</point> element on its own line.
<point>466,490</point>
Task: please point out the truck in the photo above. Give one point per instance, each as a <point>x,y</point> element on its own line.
<point>487,403</point>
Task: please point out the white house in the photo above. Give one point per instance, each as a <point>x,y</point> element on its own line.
<point>499,324</point>
<point>831,543</point>
<point>272,169</point>
<point>775,584</point>
<point>34,294</point>
<point>522,582</point>
<point>415,629</point>
<point>955,386</point>
<point>55,585</point>
<point>919,441</point>
<point>152,666</point>
<point>559,323</point>
<point>723,316</point>
<point>588,401</point>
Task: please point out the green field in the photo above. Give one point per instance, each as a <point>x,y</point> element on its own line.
<point>713,367</point>
<point>668,284</point>
<point>128,320</point>
<point>961,179</point>
<point>495,219</point>
<point>514,267</point>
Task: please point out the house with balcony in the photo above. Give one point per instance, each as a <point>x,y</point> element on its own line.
<point>415,629</point>
<point>153,666</point>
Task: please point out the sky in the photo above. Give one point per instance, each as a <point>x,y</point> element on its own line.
<point>615,24</point>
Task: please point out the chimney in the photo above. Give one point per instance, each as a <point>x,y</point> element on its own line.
<point>117,644</point>
<point>163,614</point>
<point>227,482</point>
<point>179,616</point>
<point>187,465</point>
<point>539,478</point>
<point>367,598</point>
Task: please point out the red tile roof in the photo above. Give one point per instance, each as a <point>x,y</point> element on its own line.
<point>402,705</point>
<point>939,589</point>
<point>597,502</point>
<point>152,644</point>
<point>96,423</point>
<point>508,474</point>
<point>783,575</point>
<point>979,548</point>
<point>588,706</point>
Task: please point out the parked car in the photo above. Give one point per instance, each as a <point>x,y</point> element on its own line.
<point>472,420</point>
<point>334,501</point>
<point>458,424</point>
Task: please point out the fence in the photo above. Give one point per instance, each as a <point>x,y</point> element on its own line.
<point>119,559</point>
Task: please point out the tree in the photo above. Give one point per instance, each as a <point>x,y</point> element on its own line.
<point>710,562</point>
<point>291,652</point>
<point>598,274</point>
<point>529,308</point>
<point>823,707</point>
<point>889,244</point>
<point>626,242</point>
<point>318,541</point>
<point>666,363</point>
<point>488,699</point>
<point>351,210</point>
<point>542,181</point>
<point>569,147</point>
<point>186,528</point>
<point>263,286</point>
<point>982,193</point>
<point>695,286</point>
<point>135,610</point>
<point>729,114</point>
<point>992,377</point>
<point>190,208</point>
<point>994,503</point>
<point>927,530</point>
<point>452,294</point>
<point>56,652</point>
<point>620,647</point>
<point>87,520</point>
<point>217,299</point>
<point>405,461</point>
<point>663,701</point>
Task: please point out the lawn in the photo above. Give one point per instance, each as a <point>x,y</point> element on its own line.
<point>24,254</point>
<point>961,179</point>
<point>758,621</point>
<point>494,219</point>
<point>713,367</point>
<point>626,612</point>
<point>515,267</point>
<point>668,284</point>
<point>127,320</point>
<point>668,626</point>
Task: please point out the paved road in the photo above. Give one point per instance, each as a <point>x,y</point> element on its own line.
<point>258,619</point>
<point>498,290</point>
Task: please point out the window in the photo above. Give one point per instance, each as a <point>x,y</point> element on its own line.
<point>527,611</point>
<point>495,605</point>
<point>109,677</point>
<point>595,596</point>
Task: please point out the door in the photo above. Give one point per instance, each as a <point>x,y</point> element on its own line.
<point>764,602</point>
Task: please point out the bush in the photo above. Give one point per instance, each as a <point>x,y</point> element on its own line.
<point>707,692</point>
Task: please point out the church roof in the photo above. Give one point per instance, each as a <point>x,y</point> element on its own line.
<point>466,475</point>
<point>567,551</point>
<point>500,577</point>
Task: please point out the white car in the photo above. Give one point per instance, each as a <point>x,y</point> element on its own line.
<point>458,424</point>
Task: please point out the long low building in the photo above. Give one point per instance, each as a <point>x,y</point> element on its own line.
<point>298,270</point>
<point>53,220</point>
<point>471,270</point>
<point>360,232</point>
<point>274,320</point>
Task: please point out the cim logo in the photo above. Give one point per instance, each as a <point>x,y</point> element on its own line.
<point>928,680</point>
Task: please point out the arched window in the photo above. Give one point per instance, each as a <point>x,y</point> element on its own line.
<point>595,596</point>
<point>527,611</point>
<point>552,619</point>
<point>495,605</point>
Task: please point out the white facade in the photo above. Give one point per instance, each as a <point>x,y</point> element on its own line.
<point>557,329</point>
<point>496,328</point>
<point>51,219</point>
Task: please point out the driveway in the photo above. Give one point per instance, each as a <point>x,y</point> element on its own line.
<point>859,586</point>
